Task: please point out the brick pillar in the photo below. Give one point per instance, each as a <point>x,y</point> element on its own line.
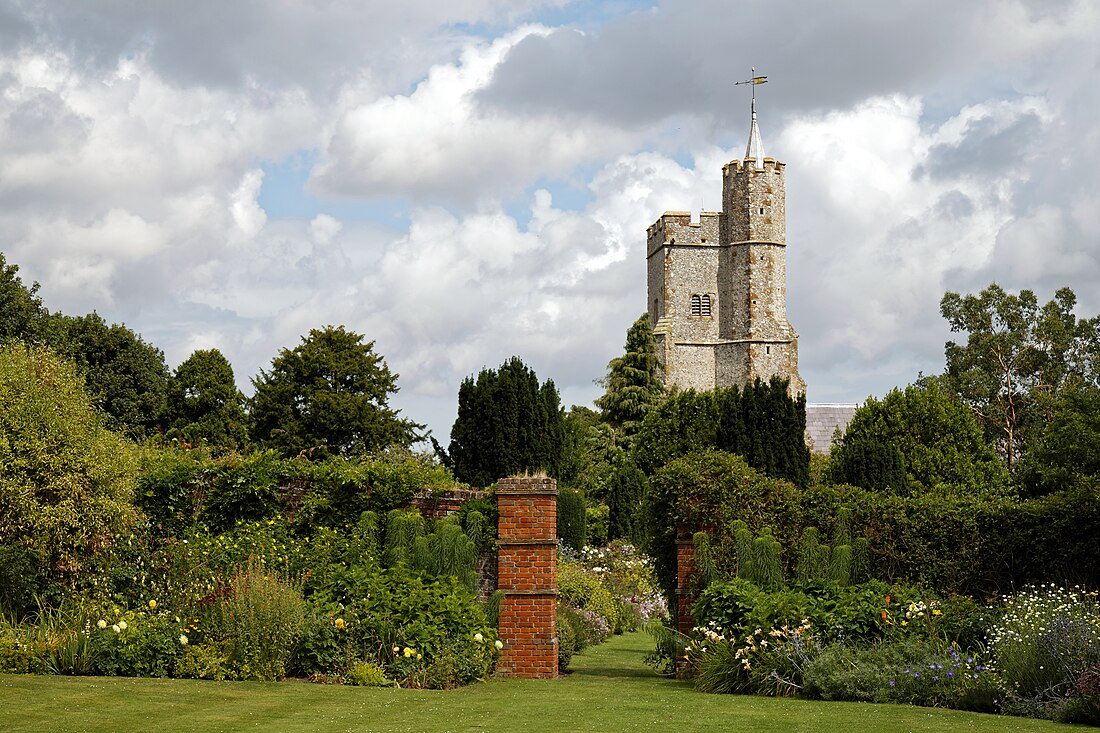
<point>527,573</point>
<point>685,575</point>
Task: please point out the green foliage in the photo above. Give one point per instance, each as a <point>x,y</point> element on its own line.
<point>584,592</point>
<point>627,487</point>
<point>328,396</point>
<point>204,406</point>
<point>1068,453</point>
<point>572,518</point>
<point>506,424</point>
<point>597,523</point>
<point>65,480</point>
<point>255,620</point>
<point>245,489</point>
<point>916,440</point>
<point>368,674</point>
<point>127,376</point>
<point>712,489</point>
<point>22,316</point>
<point>762,422</point>
<point>20,576</point>
<point>632,387</point>
<point>1017,356</point>
<point>136,644</point>
<point>570,641</point>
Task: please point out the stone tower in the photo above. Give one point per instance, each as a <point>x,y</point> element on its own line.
<point>718,286</point>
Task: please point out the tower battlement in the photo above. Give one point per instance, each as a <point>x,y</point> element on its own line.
<point>748,166</point>
<point>677,228</point>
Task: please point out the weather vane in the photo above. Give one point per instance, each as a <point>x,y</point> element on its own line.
<point>753,81</point>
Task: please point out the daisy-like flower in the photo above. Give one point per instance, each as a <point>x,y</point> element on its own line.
<point>101,624</point>
<point>498,644</point>
<point>478,637</point>
<point>115,628</point>
<point>183,639</point>
<point>152,604</point>
<point>122,625</point>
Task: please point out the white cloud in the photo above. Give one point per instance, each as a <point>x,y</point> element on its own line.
<point>438,141</point>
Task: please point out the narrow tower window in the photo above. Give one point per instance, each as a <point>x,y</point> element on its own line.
<point>705,305</point>
<point>696,305</point>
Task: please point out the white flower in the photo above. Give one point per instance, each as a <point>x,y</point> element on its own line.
<point>479,638</point>
<point>115,628</point>
<point>122,625</point>
<point>183,639</point>
<point>101,624</point>
<point>498,644</point>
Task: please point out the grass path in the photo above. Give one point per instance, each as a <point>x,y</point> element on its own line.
<point>610,690</point>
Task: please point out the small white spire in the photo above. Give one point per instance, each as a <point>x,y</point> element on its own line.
<point>755,148</point>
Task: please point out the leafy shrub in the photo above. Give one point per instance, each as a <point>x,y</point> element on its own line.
<point>850,672</point>
<point>67,481</point>
<point>258,617</point>
<point>569,641</point>
<point>136,644</point>
<point>948,678</point>
<point>246,489</point>
<point>367,674</point>
<point>584,592</point>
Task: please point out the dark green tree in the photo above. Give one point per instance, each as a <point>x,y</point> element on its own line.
<point>204,404</point>
<point>1017,357</point>
<point>917,439</point>
<point>632,386</point>
<point>506,423</point>
<point>22,316</point>
<point>762,422</point>
<point>126,375</point>
<point>328,396</point>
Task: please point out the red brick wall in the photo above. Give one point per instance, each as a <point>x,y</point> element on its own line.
<point>685,576</point>
<point>440,504</point>
<point>527,573</point>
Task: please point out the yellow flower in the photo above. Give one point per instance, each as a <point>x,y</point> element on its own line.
<point>408,652</point>
<point>937,612</point>
<point>339,623</point>
<point>421,656</point>
<point>152,604</point>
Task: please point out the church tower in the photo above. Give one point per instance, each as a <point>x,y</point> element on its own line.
<point>718,285</point>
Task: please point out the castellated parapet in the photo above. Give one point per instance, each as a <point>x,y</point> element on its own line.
<point>717,286</point>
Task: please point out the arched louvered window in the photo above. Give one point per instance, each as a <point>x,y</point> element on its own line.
<point>696,305</point>
<point>704,305</point>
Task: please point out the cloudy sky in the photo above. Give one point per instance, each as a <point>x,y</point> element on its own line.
<point>463,181</point>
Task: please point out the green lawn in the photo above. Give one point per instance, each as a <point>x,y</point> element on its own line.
<point>609,691</point>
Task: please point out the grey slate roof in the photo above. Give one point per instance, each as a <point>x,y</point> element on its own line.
<point>822,420</point>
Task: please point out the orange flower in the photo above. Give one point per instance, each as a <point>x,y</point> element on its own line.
<point>884,614</point>
<point>887,600</point>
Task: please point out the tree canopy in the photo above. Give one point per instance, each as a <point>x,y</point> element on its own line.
<point>204,404</point>
<point>66,481</point>
<point>22,316</point>
<point>507,423</point>
<point>328,396</point>
<point>913,440</point>
<point>1017,357</point>
<point>124,374</point>
<point>632,386</point>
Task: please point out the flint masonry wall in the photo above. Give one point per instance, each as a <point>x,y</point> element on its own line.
<point>527,573</point>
